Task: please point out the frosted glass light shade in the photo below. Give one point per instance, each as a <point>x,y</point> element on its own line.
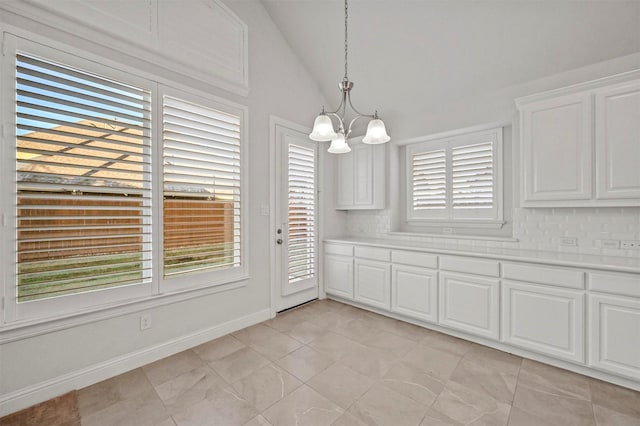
<point>339,145</point>
<point>376,133</point>
<point>322,129</point>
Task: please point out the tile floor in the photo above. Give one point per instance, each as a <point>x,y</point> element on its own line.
<point>327,363</point>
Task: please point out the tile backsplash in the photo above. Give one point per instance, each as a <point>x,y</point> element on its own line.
<point>535,229</point>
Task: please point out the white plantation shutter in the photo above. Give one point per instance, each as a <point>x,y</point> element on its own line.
<point>456,178</point>
<point>202,212</point>
<point>83,181</point>
<point>428,180</point>
<point>301,213</point>
<point>472,176</point>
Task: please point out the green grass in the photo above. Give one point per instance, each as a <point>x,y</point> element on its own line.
<point>56,277</point>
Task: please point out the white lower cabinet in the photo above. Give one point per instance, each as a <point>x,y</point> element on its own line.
<point>338,276</point>
<point>614,340</point>
<point>470,303</point>
<point>544,319</point>
<point>373,283</point>
<point>414,292</point>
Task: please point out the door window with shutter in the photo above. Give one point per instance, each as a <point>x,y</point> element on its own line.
<point>456,179</point>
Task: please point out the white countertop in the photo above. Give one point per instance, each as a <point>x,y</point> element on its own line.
<point>609,263</point>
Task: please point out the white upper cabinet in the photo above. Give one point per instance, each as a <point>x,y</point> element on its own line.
<point>556,149</point>
<point>617,128</point>
<point>580,146</point>
<point>361,178</point>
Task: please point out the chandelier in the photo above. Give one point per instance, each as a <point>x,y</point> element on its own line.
<point>323,130</point>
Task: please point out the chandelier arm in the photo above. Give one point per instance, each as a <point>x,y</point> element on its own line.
<point>356,111</point>
<point>356,118</point>
<point>340,119</point>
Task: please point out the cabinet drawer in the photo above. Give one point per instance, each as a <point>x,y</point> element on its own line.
<point>560,277</point>
<point>373,253</point>
<point>489,268</point>
<point>624,284</point>
<point>413,258</point>
<point>338,249</point>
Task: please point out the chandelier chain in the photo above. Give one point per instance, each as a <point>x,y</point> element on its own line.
<point>346,43</point>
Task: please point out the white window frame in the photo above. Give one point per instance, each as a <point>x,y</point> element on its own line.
<point>489,218</point>
<point>16,314</point>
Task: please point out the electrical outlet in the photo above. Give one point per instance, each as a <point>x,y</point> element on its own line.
<point>145,322</point>
<point>630,244</point>
<point>569,241</point>
<point>610,244</point>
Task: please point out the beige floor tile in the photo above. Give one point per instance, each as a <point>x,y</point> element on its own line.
<point>352,312</point>
<point>329,320</point>
<point>333,345</point>
<point>101,395</point>
<point>383,406</point>
<point>405,329</point>
<point>239,364</point>
<point>305,332</point>
<point>386,341</point>
<point>266,386</point>
<point>607,417</point>
<point>495,383</point>
<point>254,334</point>
<point>413,383</point>
<point>554,380</point>
<point>166,422</point>
<point>218,348</point>
<point>494,358</point>
<point>167,368</point>
<point>222,407</point>
<point>341,384</point>
<point>304,363</point>
<point>286,321</point>
<point>615,398</point>
<point>357,330</point>
<point>519,417</point>
<point>258,421</point>
<point>463,405</point>
<point>553,408</point>
<point>371,362</point>
<point>276,346</point>
<point>303,407</point>
<point>434,418</point>
<point>348,419</point>
<point>432,361</point>
<point>189,388</point>
<point>443,342</point>
<point>143,409</point>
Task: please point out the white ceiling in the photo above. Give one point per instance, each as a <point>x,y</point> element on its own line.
<point>416,55</point>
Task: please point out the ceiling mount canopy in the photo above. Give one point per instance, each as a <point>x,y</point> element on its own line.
<point>323,129</point>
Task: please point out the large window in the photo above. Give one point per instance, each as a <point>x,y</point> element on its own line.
<point>107,203</point>
<point>456,179</point>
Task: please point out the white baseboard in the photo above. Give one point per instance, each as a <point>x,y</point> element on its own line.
<point>87,376</point>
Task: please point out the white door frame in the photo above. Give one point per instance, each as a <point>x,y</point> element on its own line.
<point>274,122</point>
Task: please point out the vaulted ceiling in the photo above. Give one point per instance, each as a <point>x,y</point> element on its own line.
<point>411,57</point>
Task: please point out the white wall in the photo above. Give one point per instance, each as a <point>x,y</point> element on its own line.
<point>42,366</point>
<point>539,229</point>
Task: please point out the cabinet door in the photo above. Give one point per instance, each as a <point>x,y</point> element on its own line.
<point>338,276</point>
<point>363,174</point>
<point>373,283</point>
<point>614,340</point>
<point>544,319</point>
<point>344,180</point>
<point>617,122</point>
<point>414,292</point>
<point>470,303</point>
<point>556,149</point>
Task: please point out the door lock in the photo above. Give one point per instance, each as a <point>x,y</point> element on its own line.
<point>279,241</point>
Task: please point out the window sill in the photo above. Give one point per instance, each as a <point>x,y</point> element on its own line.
<point>453,236</point>
<point>20,330</point>
<point>460,223</point>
